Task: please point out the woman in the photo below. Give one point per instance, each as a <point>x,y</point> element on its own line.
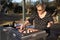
<point>43,20</point>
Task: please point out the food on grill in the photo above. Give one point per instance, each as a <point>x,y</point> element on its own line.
<point>24,32</point>
<point>32,30</point>
<point>20,30</point>
<point>29,30</point>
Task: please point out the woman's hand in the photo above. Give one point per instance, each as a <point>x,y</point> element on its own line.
<point>22,27</point>
<point>49,24</point>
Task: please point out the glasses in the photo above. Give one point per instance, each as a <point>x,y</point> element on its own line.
<point>39,10</point>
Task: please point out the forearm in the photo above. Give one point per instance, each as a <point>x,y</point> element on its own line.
<point>26,23</point>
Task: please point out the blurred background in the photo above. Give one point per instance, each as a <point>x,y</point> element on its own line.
<point>18,10</point>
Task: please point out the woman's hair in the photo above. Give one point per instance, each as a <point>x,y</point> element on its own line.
<point>42,5</point>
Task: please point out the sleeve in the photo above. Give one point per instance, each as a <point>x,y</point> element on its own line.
<point>32,17</point>
<point>50,19</point>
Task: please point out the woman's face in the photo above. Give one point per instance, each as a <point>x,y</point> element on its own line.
<point>40,9</point>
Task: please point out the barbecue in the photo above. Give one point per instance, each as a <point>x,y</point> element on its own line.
<point>33,34</point>
<point>27,33</point>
